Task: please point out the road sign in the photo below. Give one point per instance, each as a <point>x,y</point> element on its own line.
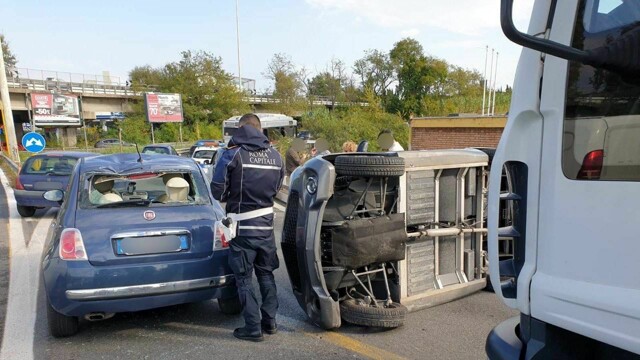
<point>33,142</point>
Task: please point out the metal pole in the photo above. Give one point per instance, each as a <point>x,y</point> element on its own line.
<point>489,83</point>
<point>153,138</point>
<point>12,142</point>
<point>495,77</point>
<point>84,124</point>
<point>120,135</point>
<point>484,77</point>
<point>30,112</point>
<point>180,134</point>
<point>238,44</point>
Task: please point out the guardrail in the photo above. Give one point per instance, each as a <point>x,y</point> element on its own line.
<point>12,165</point>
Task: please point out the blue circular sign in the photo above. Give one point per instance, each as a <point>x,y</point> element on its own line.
<point>33,142</point>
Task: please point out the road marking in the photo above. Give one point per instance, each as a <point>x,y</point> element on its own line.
<point>24,276</point>
<point>337,339</point>
<point>279,207</point>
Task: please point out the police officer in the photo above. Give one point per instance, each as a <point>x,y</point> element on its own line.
<point>248,177</point>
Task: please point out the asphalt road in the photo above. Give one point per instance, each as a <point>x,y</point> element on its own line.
<point>455,330</point>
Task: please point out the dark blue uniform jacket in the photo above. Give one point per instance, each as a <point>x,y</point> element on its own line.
<point>247,177</point>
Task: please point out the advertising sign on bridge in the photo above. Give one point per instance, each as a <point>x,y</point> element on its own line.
<point>55,110</point>
<point>163,107</point>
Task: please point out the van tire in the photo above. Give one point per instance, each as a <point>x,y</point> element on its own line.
<point>61,325</point>
<point>369,166</point>
<point>26,211</point>
<point>230,306</point>
<point>384,317</point>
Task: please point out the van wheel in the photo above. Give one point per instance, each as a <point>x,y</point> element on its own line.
<point>369,166</point>
<point>26,211</point>
<point>359,313</point>
<point>61,325</point>
<point>230,306</point>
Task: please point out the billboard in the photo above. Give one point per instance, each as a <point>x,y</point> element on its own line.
<point>55,110</point>
<point>163,107</point>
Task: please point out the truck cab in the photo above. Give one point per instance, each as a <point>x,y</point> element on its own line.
<point>572,149</point>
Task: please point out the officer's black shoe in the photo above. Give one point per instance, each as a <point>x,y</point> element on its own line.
<point>244,334</point>
<point>270,328</point>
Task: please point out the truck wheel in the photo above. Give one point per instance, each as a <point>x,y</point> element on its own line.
<point>369,165</point>
<point>61,325</point>
<point>358,313</point>
<point>230,306</point>
<point>26,211</point>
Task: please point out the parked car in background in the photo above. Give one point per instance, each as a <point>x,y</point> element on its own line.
<point>107,143</point>
<point>305,135</point>
<point>161,149</point>
<point>132,236</point>
<point>200,143</point>
<point>40,173</point>
<point>204,156</point>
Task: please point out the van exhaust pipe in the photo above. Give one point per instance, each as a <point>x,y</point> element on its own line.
<point>98,316</point>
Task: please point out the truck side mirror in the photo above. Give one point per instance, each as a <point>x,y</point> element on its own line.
<point>619,55</point>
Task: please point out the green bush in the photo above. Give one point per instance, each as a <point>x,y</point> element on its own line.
<point>354,124</point>
<point>135,129</point>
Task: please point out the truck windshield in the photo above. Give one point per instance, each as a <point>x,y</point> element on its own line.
<point>602,114</point>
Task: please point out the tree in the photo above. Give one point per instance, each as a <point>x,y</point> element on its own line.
<point>417,76</point>
<point>209,94</point>
<point>376,72</point>
<point>9,58</point>
<point>288,82</point>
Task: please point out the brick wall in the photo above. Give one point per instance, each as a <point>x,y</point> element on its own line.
<point>432,138</point>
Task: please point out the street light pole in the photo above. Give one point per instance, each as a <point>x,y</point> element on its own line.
<point>12,142</point>
<point>238,45</point>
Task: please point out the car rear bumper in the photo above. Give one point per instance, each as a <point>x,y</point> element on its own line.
<point>33,198</point>
<point>123,292</point>
<point>76,288</point>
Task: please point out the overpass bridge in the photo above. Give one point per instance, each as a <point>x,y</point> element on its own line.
<point>105,93</point>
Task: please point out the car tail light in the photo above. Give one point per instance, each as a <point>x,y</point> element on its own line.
<point>592,165</point>
<point>71,245</point>
<point>19,185</point>
<point>220,237</point>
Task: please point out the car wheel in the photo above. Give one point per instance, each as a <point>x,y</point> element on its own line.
<point>385,316</point>
<point>61,325</point>
<point>230,306</point>
<point>369,166</point>
<point>26,211</point>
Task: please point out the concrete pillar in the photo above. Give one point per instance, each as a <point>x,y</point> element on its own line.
<point>70,137</point>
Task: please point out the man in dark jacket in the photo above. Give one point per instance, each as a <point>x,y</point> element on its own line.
<point>247,177</point>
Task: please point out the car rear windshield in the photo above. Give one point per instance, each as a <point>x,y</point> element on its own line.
<point>155,150</point>
<point>48,164</point>
<point>163,188</point>
<point>204,154</point>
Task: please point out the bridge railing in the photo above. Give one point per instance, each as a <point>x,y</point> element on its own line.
<point>44,80</point>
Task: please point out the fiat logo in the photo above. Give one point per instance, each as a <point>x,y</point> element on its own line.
<point>149,215</point>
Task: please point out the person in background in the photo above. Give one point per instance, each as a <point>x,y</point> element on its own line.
<point>387,141</point>
<point>349,146</point>
<point>293,159</point>
<point>247,177</point>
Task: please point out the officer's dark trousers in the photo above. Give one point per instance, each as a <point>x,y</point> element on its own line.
<point>259,253</point>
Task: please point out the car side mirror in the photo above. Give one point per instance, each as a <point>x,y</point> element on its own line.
<point>54,195</point>
<point>616,56</point>
<point>207,162</point>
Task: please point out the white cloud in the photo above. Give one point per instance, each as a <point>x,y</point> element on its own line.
<point>469,17</point>
<point>410,32</point>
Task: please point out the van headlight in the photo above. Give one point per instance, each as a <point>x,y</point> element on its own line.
<point>312,185</point>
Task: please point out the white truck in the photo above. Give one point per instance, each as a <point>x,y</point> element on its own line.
<point>572,150</point>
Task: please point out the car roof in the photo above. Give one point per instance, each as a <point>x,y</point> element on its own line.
<point>125,163</point>
<point>74,154</point>
<point>158,146</point>
<point>206,148</point>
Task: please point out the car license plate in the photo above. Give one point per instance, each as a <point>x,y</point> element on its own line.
<point>151,245</point>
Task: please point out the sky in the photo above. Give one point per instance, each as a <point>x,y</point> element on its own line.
<point>94,36</point>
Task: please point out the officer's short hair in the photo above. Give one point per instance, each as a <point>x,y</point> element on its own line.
<point>250,119</point>
<point>385,131</point>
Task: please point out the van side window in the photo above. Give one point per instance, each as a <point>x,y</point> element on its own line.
<point>601,139</point>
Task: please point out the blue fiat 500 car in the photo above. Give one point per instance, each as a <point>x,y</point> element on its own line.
<point>133,234</point>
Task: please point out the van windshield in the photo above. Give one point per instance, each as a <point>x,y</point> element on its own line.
<point>602,114</point>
